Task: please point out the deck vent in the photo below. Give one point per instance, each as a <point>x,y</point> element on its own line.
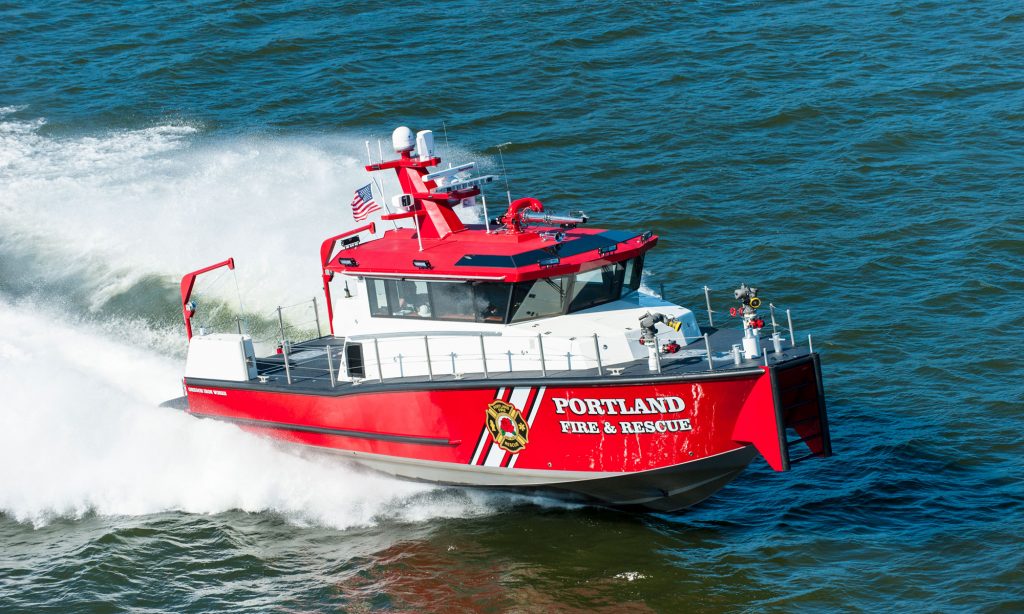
<point>608,249</point>
<point>348,262</point>
<point>421,264</point>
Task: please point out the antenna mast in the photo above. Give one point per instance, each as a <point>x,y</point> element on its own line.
<point>508,191</point>
<point>447,146</point>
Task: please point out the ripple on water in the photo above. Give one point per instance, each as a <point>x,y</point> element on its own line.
<point>859,162</point>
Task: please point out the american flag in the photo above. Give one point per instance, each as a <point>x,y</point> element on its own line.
<point>362,204</point>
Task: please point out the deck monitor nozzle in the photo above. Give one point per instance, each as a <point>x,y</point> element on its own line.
<point>548,219</point>
<point>747,296</point>
<point>752,325</point>
<point>648,332</point>
<point>649,321</point>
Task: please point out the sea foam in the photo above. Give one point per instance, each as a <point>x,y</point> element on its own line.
<point>81,433</point>
<point>88,218</point>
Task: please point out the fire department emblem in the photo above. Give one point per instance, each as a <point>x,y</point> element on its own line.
<point>507,426</point>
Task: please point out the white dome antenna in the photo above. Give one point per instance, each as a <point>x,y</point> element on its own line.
<point>403,139</point>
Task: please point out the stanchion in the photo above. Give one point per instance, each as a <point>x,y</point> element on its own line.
<point>330,364</point>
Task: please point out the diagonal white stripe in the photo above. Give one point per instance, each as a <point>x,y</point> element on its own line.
<point>486,436</point>
<point>534,410</point>
<point>536,405</point>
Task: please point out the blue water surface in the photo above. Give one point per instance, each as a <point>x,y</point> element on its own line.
<point>862,162</point>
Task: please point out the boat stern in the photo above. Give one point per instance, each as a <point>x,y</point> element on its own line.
<point>785,417</point>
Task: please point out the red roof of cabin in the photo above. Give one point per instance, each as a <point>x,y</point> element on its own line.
<point>474,254</point>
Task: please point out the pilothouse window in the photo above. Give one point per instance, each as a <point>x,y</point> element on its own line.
<point>439,300</point>
<point>540,298</point>
<point>499,303</point>
<point>634,270</point>
<point>378,297</point>
<point>592,288</point>
<point>452,301</point>
<point>410,298</point>
<point>491,301</point>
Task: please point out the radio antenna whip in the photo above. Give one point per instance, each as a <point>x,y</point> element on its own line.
<point>447,146</point>
<point>508,191</point>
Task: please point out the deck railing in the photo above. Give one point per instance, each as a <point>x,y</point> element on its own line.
<point>461,354</point>
<point>432,356</point>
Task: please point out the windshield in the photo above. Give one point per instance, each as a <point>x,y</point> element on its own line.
<point>499,303</point>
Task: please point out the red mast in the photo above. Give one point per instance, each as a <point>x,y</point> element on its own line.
<point>437,219</point>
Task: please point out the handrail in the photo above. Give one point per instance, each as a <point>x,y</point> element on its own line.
<point>297,366</point>
<point>523,352</point>
<point>327,247</point>
<point>429,333</point>
<point>326,251</point>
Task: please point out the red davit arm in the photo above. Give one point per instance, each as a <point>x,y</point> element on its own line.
<point>326,250</point>
<point>187,283</point>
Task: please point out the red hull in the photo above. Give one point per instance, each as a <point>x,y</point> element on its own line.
<point>593,428</point>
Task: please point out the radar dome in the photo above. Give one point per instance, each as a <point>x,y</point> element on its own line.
<point>403,139</point>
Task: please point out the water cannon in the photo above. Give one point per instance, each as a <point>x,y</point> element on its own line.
<point>649,322</point>
<point>749,302</point>
<point>752,325</point>
<point>548,219</point>
<point>525,212</point>
<point>403,140</point>
<point>747,296</point>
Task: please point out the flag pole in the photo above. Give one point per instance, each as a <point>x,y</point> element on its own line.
<point>384,201</point>
<point>383,198</point>
<point>416,220</point>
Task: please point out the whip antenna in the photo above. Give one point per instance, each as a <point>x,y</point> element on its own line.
<point>447,146</point>
<point>508,191</point>
<point>241,307</point>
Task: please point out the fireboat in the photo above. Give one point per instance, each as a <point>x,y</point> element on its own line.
<point>517,353</point>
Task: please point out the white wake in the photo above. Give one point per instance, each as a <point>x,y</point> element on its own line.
<point>80,430</point>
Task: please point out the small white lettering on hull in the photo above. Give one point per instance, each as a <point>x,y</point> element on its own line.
<point>626,427</point>
<point>220,393</point>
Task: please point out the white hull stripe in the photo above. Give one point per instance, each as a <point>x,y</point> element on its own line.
<point>534,410</point>
<point>485,436</point>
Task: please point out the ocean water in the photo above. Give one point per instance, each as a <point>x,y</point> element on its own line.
<point>863,163</point>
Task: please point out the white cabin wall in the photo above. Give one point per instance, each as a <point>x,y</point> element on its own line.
<point>616,324</point>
